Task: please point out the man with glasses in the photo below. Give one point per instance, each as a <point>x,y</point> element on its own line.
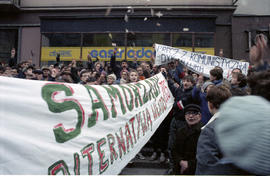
<point>184,149</point>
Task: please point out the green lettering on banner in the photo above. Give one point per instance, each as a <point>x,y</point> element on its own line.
<point>96,104</point>
<point>87,152</point>
<point>49,91</point>
<point>57,167</point>
<point>136,91</point>
<point>145,95</point>
<point>155,80</point>
<point>76,164</point>
<point>102,165</point>
<point>150,93</point>
<point>114,94</point>
<point>111,142</point>
<point>130,105</point>
<point>154,88</point>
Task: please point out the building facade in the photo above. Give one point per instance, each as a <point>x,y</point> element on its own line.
<point>40,30</point>
<point>250,18</point>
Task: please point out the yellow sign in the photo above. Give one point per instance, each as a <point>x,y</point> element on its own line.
<point>185,48</point>
<point>104,53</point>
<point>209,51</point>
<point>66,53</point>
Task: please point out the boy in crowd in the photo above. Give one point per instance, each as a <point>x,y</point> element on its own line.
<point>183,97</point>
<point>208,152</point>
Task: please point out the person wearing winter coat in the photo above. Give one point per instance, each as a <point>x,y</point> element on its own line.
<point>209,154</point>
<point>185,145</point>
<point>199,95</point>
<point>183,97</point>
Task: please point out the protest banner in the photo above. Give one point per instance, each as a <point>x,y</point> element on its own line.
<point>59,128</point>
<point>197,62</point>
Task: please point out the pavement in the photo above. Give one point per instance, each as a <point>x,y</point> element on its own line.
<point>146,166</point>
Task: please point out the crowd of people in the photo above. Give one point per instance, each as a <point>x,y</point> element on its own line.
<point>201,134</point>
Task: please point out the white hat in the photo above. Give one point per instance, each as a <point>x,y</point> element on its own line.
<point>243,132</point>
<point>112,76</point>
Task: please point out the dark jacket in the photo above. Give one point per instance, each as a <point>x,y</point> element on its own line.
<point>209,157</point>
<point>218,82</point>
<point>179,73</point>
<point>200,97</point>
<point>178,120</point>
<point>182,98</point>
<point>185,148</point>
<point>116,68</point>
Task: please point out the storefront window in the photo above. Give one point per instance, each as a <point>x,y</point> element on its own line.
<point>8,40</point>
<point>102,45</point>
<point>61,39</point>
<point>141,44</point>
<point>66,45</point>
<point>106,39</point>
<point>147,39</point>
<point>204,40</point>
<point>183,41</point>
<point>204,43</point>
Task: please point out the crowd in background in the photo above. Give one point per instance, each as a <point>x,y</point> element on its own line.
<point>188,133</point>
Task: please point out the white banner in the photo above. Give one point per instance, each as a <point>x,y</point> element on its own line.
<point>197,62</point>
<point>59,128</point>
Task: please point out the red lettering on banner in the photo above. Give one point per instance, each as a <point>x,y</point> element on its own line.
<point>144,126</point>
<point>57,167</point>
<point>128,136</point>
<point>76,164</point>
<point>133,130</point>
<point>149,121</point>
<point>165,91</point>
<point>121,143</point>
<point>138,118</point>
<point>102,165</point>
<point>86,152</point>
<point>68,99</point>
<point>111,142</point>
<point>154,111</point>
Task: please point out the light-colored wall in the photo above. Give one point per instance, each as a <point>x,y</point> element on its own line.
<point>253,7</point>
<point>80,3</point>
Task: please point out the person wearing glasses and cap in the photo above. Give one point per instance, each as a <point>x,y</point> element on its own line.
<point>184,149</point>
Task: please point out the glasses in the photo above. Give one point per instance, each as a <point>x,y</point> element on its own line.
<point>192,113</point>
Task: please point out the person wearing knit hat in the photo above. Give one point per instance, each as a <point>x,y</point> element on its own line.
<point>192,108</point>
<point>46,73</point>
<point>243,134</point>
<point>205,85</point>
<point>29,72</point>
<point>38,74</point>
